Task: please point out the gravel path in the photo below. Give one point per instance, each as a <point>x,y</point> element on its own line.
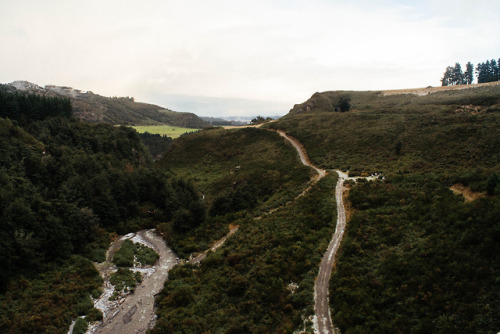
<point>323,321</point>
<point>136,314</point>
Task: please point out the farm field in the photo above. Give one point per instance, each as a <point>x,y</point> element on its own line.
<point>166,130</point>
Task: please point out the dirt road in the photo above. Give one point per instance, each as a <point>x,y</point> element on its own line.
<point>302,153</point>
<point>200,257</point>
<point>323,322</point>
<point>136,314</point>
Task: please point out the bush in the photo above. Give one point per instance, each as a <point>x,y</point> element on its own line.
<point>130,252</point>
<point>94,315</point>
<point>83,307</point>
<point>81,326</point>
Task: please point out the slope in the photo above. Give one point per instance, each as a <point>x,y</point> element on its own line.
<point>455,129</point>
<point>112,110</point>
<point>416,258</point>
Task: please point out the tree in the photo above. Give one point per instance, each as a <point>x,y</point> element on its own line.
<point>344,104</point>
<point>458,75</point>
<point>494,70</point>
<point>260,120</point>
<point>492,183</point>
<point>469,73</point>
<point>488,71</point>
<point>447,78</point>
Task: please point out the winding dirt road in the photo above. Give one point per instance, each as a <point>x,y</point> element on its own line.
<point>215,246</point>
<point>302,154</point>
<point>323,322</point>
<point>136,314</point>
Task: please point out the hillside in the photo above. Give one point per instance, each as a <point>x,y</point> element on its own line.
<point>416,258</point>
<point>372,100</point>
<point>68,187</point>
<point>94,108</point>
<point>262,280</point>
<point>447,130</point>
<point>238,171</point>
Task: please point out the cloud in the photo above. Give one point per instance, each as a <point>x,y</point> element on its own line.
<point>279,51</point>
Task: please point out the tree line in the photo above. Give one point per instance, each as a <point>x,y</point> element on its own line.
<point>30,107</point>
<point>488,71</point>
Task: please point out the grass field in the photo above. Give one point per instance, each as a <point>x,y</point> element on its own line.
<point>167,130</point>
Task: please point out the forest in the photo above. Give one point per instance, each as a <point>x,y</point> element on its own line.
<point>67,187</point>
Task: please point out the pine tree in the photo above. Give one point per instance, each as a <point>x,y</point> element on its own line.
<point>494,70</point>
<point>469,73</point>
<point>481,73</point>
<point>447,79</point>
<point>458,75</point>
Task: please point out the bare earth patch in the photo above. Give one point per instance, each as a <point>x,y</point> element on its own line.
<point>468,194</point>
<point>430,90</point>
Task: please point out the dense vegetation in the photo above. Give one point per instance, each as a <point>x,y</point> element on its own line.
<point>262,280</point>
<point>28,108</point>
<point>453,132</point>
<point>49,302</point>
<point>133,254</point>
<point>157,144</point>
<point>65,185</point>
<point>237,171</point>
<point>418,259</point>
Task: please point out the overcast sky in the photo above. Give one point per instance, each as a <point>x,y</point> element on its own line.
<point>221,58</point>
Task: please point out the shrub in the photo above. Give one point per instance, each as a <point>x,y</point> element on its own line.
<point>80,326</point>
<point>84,306</point>
<point>94,315</point>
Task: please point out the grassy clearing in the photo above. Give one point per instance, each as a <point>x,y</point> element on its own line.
<point>164,130</point>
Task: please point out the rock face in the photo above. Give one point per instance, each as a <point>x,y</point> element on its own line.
<point>113,110</point>
<point>326,101</point>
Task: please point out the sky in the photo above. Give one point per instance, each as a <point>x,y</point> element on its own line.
<point>241,58</point>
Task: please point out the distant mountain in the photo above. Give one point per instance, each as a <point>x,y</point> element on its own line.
<point>223,122</point>
<point>112,110</point>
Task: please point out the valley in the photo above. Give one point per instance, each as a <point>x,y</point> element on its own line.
<point>252,212</point>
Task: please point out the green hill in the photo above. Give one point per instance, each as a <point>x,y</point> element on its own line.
<point>416,257</point>
<point>112,110</point>
<point>67,186</point>
<point>445,130</point>
<point>262,280</point>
